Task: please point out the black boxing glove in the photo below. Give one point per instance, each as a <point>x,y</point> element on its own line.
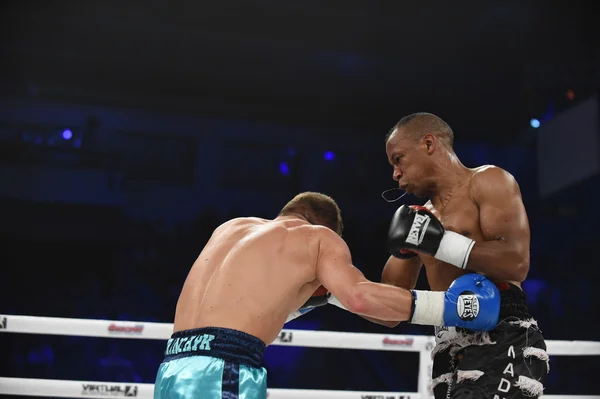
<point>416,228</point>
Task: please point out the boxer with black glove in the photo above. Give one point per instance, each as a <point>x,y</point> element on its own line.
<point>474,220</point>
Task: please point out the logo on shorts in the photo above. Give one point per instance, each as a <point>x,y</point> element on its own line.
<point>418,229</point>
<point>467,306</point>
<point>125,329</point>
<point>2,323</point>
<point>285,336</point>
<point>194,343</point>
<point>109,390</point>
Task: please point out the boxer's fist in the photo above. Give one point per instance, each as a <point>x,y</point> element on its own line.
<point>473,302</point>
<point>414,228</point>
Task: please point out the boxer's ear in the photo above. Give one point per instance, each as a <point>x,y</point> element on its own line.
<point>430,142</point>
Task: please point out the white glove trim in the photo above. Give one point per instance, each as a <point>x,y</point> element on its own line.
<point>429,308</point>
<point>455,249</point>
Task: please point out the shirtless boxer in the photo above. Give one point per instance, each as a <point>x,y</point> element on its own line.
<point>474,221</point>
<point>254,274</point>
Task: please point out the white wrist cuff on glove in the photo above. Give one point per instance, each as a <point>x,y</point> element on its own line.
<point>429,308</point>
<point>336,302</point>
<point>455,249</point>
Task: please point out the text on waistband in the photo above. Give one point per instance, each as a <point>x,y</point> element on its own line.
<point>189,344</point>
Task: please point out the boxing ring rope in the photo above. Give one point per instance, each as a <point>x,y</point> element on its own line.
<point>306,338</point>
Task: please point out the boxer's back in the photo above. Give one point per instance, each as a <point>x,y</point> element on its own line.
<point>251,274</point>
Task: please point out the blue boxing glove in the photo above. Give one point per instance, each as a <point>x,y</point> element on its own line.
<point>472,302</point>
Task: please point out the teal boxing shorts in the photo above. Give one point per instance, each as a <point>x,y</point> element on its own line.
<point>212,363</point>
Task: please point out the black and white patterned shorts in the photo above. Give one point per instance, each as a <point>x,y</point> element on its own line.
<point>509,362</point>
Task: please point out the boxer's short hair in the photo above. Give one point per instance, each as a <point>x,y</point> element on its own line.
<point>419,124</point>
<point>317,208</point>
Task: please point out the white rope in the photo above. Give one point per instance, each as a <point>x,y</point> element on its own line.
<point>573,348</point>
<point>97,389</point>
<point>163,331</point>
<point>306,338</point>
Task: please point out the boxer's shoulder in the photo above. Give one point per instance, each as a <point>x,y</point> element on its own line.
<point>327,238</point>
<point>488,178</point>
<point>485,173</point>
<point>242,221</point>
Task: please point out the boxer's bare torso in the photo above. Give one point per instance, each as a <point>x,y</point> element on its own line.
<point>251,274</point>
<point>461,215</point>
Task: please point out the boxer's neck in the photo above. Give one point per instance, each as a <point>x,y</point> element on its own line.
<point>292,215</point>
<point>450,175</point>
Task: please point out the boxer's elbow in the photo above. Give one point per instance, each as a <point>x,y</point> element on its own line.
<point>516,265</point>
<point>521,270</point>
<point>501,260</point>
<point>519,264</point>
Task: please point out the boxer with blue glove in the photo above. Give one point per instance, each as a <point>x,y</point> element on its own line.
<point>471,301</point>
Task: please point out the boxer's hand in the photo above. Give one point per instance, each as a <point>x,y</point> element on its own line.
<point>472,301</point>
<point>414,228</point>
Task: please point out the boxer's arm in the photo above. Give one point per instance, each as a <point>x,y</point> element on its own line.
<point>504,253</point>
<point>357,294</point>
<point>402,273</point>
